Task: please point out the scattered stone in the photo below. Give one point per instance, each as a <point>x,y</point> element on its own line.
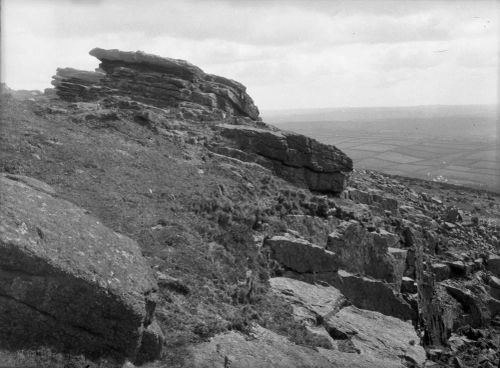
<point>452,215</point>
<point>477,309</point>
<point>441,271</point>
<point>459,269</point>
<point>408,285</point>
<point>493,264</point>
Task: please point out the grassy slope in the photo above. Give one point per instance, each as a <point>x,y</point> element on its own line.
<point>192,212</point>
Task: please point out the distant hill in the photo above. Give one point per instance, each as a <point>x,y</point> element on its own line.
<point>378,113</point>
<point>456,144</point>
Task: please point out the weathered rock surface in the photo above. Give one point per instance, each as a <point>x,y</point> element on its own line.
<point>376,335</point>
<point>309,301</point>
<point>68,281</point>
<point>265,349</point>
<point>373,295</point>
<point>295,157</point>
<point>311,304</point>
<point>301,256</point>
<point>162,82</point>
<point>368,253</point>
<point>346,335</point>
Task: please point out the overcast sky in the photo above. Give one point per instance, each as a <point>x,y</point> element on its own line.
<point>289,54</point>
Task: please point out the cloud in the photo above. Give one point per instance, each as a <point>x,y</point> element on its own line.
<point>255,23</point>
<point>288,53</point>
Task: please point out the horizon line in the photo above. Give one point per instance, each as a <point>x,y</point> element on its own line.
<point>378,107</point>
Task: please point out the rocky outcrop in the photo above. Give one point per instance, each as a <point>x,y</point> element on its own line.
<point>161,82</point>
<point>69,282</point>
<point>294,157</point>
<point>136,81</point>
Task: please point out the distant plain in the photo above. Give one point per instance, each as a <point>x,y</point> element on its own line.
<point>453,144</point>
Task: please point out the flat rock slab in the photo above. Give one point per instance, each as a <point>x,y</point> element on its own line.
<point>355,360</point>
<point>373,295</point>
<point>65,279</point>
<point>263,349</point>
<point>300,255</point>
<point>308,301</point>
<point>378,337</point>
<point>157,81</point>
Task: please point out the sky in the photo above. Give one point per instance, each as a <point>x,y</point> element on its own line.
<point>290,54</point>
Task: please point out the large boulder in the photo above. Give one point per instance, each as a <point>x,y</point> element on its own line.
<point>69,282</point>
<point>294,157</point>
<point>159,81</point>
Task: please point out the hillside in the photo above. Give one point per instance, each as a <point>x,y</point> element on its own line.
<point>150,217</point>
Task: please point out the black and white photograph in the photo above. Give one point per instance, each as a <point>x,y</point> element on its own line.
<point>249,184</point>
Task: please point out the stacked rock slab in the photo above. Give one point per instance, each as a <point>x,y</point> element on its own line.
<point>294,157</point>
<point>69,282</point>
<point>161,82</point>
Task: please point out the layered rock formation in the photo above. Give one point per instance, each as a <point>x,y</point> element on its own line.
<point>161,82</point>
<point>295,157</point>
<point>69,282</point>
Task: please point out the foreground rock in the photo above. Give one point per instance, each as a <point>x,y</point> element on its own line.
<point>311,304</point>
<point>265,349</point>
<point>377,336</point>
<point>295,157</point>
<point>161,82</point>
<point>69,282</point>
<point>348,336</point>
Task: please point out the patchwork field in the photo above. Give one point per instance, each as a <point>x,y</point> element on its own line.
<point>454,144</point>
